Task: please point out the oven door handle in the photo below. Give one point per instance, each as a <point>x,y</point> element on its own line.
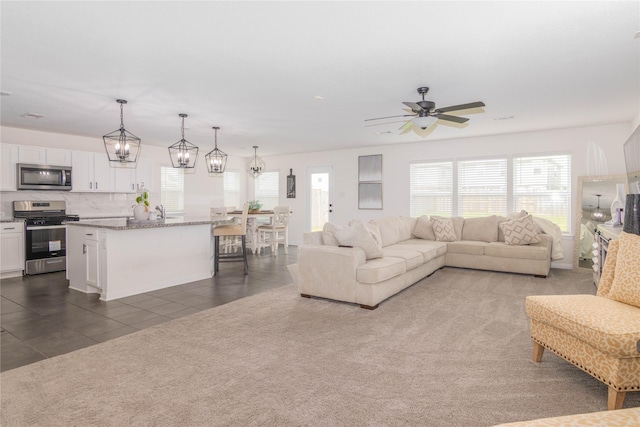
<point>45,227</point>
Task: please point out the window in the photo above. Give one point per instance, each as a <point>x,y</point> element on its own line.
<point>543,185</point>
<point>482,187</point>
<point>478,187</point>
<point>267,189</point>
<point>431,188</point>
<point>232,188</point>
<point>172,189</point>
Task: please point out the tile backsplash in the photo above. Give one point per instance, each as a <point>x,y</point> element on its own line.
<point>83,204</point>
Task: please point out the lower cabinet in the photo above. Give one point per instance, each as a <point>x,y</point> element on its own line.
<point>12,248</point>
<point>84,259</point>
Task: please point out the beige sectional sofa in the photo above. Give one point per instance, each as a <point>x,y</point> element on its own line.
<point>410,251</point>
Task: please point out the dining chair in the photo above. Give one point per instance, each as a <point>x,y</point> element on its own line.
<point>277,231</point>
<point>231,231</point>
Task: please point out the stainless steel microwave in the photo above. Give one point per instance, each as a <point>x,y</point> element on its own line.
<point>44,177</point>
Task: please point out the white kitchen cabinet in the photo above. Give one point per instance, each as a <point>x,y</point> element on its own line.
<point>57,157</point>
<point>12,247</point>
<point>8,160</point>
<point>90,172</point>
<point>124,179</point>
<point>145,174</point>
<point>84,264</point>
<point>32,155</point>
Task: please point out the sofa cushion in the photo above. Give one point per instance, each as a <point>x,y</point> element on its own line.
<point>502,250</point>
<point>328,233</point>
<point>424,229</point>
<point>483,229</point>
<point>359,236</point>
<point>520,231</point>
<point>501,219</point>
<point>428,252</point>
<point>611,326</point>
<point>440,247</point>
<point>458,223</point>
<point>608,270</point>
<point>626,282</point>
<point>389,229</point>
<point>412,259</point>
<point>468,247</point>
<point>443,229</point>
<point>380,269</point>
<point>405,227</point>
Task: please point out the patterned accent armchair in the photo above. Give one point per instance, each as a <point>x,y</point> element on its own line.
<point>599,334</point>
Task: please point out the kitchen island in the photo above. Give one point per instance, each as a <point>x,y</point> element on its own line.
<point>121,257</point>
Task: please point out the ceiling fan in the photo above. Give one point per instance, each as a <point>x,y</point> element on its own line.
<point>425,112</point>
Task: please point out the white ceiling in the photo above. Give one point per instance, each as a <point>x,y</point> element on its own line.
<point>255,68</point>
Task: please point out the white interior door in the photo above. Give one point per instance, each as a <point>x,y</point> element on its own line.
<point>320,196</point>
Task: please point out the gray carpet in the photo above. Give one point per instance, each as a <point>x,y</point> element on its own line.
<point>452,350</point>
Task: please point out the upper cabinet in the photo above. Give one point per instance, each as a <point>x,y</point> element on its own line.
<point>145,174</point>
<point>44,156</point>
<point>90,172</point>
<point>9,173</point>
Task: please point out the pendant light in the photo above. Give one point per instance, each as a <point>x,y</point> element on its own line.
<point>122,146</point>
<point>216,159</point>
<point>256,164</point>
<point>598,214</point>
<point>183,154</point>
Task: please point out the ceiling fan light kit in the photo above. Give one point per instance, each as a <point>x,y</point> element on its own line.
<point>425,112</point>
<point>183,154</point>
<point>122,146</point>
<point>216,159</point>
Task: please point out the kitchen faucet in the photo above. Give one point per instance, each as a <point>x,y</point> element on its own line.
<point>161,209</point>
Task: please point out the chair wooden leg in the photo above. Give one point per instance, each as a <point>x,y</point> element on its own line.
<point>538,350</point>
<point>615,399</point>
<point>286,240</point>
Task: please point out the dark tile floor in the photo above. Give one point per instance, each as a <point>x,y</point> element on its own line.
<point>41,317</point>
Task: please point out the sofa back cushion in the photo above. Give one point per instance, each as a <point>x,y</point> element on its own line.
<point>389,229</point>
<point>501,219</point>
<point>626,282</point>
<point>484,229</point>
<point>424,229</point>
<point>405,227</point>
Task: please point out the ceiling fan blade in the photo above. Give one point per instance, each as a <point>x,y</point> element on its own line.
<point>413,106</point>
<point>460,107</point>
<point>389,117</point>
<point>406,126</point>
<point>451,118</point>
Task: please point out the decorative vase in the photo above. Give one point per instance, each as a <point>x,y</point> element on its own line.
<point>617,207</point>
<point>140,212</point>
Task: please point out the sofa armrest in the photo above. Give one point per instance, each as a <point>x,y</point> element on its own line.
<point>329,271</point>
<point>545,241</point>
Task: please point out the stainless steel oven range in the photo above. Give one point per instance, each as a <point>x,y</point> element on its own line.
<point>45,236</point>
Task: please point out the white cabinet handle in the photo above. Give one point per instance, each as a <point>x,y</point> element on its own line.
<point>91,185</point>
<point>8,228</point>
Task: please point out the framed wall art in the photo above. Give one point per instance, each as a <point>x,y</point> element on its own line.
<point>291,185</point>
<point>370,182</point>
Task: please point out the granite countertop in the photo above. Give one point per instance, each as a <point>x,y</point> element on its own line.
<point>130,224</point>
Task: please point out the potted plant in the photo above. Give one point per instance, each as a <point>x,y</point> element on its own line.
<point>141,210</point>
<point>254,206</point>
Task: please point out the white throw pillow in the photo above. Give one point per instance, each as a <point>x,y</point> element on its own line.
<point>520,231</point>
<point>359,237</point>
<point>443,229</point>
<point>328,233</point>
<point>424,229</point>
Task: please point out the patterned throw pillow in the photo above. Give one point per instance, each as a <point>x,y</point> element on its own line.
<point>626,282</point>
<point>443,229</point>
<point>520,231</point>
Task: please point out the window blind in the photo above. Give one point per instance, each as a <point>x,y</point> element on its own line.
<point>431,188</point>
<point>267,189</point>
<point>172,189</point>
<point>482,187</point>
<point>232,189</point>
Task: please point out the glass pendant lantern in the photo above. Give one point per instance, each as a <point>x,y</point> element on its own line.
<point>183,154</point>
<point>122,146</point>
<point>216,159</point>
